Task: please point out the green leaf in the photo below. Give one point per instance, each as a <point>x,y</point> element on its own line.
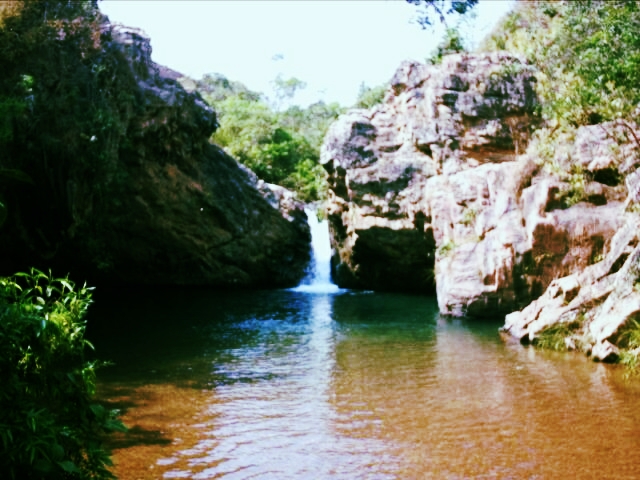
<point>68,466</point>
<point>67,284</point>
<point>14,174</point>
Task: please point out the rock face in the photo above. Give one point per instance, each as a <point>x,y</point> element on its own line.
<point>180,211</point>
<point>433,188</point>
<point>591,307</point>
<point>409,176</point>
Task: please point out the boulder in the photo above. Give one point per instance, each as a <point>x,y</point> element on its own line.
<point>594,302</point>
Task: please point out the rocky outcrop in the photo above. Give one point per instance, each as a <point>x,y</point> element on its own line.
<point>171,208</point>
<point>593,303</point>
<point>404,173</point>
<point>434,188</point>
<point>591,307</point>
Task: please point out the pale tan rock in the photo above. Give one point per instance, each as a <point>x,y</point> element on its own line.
<point>388,165</point>
<point>429,185</point>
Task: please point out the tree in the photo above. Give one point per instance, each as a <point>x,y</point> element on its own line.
<point>216,88</point>
<point>281,147</point>
<point>587,54</point>
<point>451,43</point>
<point>286,89</point>
<point>441,9</point>
<point>64,104</point>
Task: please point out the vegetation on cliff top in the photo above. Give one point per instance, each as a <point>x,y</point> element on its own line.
<point>588,57</point>
<point>587,54</point>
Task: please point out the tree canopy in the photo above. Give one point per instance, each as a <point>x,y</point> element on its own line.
<point>438,10</point>
<point>280,146</point>
<point>587,54</point>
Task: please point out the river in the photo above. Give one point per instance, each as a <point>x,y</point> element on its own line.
<point>306,384</point>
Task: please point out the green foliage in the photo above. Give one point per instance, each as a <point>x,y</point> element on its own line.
<point>469,216</point>
<point>554,337</point>
<point>216,88</point>
<point>629,337</point>
<point>63,105</point>
<point>370,96</point>
<point>10,176</point>
<point>446,248</point>
<point>49,426</point>
<point>629,343</point>
<point>451,43</point>
<point>281,147</point>
<point>576,181</point>
<point>286,89</point>
<point>441,9</point>
<point>588,55</point>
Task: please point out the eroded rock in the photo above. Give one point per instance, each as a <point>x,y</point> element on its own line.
<point>430,185</point>
<point>393,168</point>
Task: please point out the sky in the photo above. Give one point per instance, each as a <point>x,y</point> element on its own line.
<point>334,46</point>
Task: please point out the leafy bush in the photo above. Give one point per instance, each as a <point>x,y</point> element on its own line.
<point>446,248</point>
<point>451,43</point>
<point>65,101</point>
<point>587,53</point>
<point>629,343</point>
<point>554,337</point>
<point>49,426</point>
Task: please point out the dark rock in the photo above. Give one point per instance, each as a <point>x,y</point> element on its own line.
<point>179,210</point>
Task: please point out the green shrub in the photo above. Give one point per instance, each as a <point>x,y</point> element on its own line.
<point>446,248</point>
<point>629,343</point>
<point>49,426</point>
<point>587,54</point>
<point>451,43</point>
<point>554,337</point>
<point>469,216</point>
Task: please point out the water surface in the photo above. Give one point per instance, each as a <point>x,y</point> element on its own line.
<point>299,385</point>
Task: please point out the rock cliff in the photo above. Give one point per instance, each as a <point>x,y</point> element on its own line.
<point>591,307</point>
<point>434,189</point>
<point>178,210</point>
<point>416,181</point>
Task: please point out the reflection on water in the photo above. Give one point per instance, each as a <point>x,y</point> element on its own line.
<point>290,385</point>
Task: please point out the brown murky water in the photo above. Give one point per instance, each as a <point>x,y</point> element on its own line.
<point>286,385</point>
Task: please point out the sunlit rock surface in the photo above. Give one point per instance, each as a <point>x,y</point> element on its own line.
<point>594,304</point>
<point>409,177</point>
<point>435,188</point>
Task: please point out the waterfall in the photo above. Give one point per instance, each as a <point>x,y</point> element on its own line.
<point>318,280</point>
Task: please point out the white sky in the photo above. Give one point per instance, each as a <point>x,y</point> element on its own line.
<point>332,45</point>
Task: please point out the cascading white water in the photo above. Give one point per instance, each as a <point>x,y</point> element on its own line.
<point>318,279</point>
